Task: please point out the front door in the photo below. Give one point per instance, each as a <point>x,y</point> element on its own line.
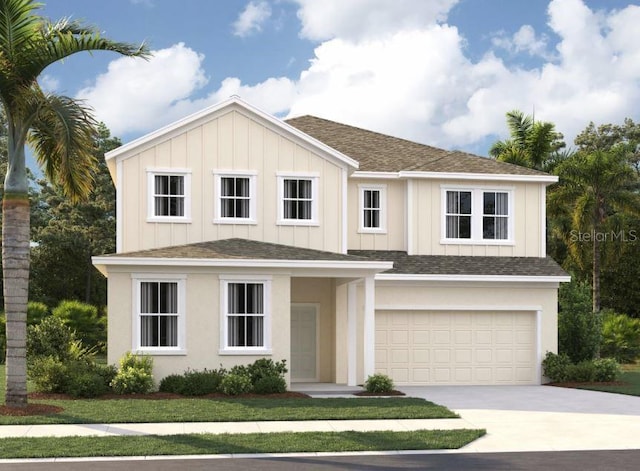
<point>304,343</point>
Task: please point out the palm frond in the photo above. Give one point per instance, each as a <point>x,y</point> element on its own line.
<point>63,134</point>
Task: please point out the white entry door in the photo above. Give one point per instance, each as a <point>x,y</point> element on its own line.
<point>304,343</point>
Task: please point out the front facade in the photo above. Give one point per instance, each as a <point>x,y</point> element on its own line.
<point>343,251</point>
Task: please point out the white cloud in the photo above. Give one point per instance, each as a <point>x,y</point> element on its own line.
<point>358,19</point>
<point>135,95</point>
<point>49,83</point>
<point>413,81</point>
<point>524,40</point>
<point>252,18</point>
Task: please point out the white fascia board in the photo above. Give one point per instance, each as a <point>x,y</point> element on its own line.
<point>376,175</point>
<point>499,177</point>
<point>479,278</point>
<point>244,263</point>
<point>177,127</point>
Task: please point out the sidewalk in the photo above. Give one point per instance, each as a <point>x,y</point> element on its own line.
<point>104,430</point>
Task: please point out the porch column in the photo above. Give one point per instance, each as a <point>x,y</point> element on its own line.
<point>369,326</point>
<point>352,337</point>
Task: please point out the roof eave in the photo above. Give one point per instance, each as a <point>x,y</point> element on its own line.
<point>473,278</point>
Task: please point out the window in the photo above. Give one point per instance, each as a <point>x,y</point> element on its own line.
<point>298,200</point>
<point>478,216</point>
<point>245,305</point>
<point>372,208</point>
<point>495,218</point>
<point>160,312</point>
<point>236,198</point>
<point>169,192</point>
<point>458,214</point>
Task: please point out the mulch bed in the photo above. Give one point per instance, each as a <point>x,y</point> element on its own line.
<point>31,409</point>
<point>390,393</point>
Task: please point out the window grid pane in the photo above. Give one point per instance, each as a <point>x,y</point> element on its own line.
<point>458,215</point>
<point>235,197</point>
<point>297,199</point>
<point>371,208</point>
<point>169,195</point>
<point>495,221</point>
<point>245,315</point>
<point>158,314</point>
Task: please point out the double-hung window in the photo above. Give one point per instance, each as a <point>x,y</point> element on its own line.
<point>372,208</point>
<point>169,195</point>
<point>298,199</point>
<point>160,314</point>
<point>236,198</point>
<point>478,215</point>
<point>246,318</point>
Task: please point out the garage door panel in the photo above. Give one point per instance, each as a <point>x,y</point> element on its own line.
<point>424,347</point>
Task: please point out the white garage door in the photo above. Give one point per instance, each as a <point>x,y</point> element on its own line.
<point>426,347</point>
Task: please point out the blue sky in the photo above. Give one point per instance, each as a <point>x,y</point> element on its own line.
<point>442,72</point>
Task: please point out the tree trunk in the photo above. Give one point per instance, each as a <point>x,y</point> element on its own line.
<point>15,267</point>
<point>596,286</point>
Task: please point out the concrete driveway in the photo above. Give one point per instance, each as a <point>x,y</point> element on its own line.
<point>540,418</point>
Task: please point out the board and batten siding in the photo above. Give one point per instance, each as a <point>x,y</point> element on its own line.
<point>426,219</point>
<point>232,141</point>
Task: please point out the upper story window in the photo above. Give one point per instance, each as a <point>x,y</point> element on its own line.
<point>169,195</point>
<point>160,314</point>
<point>373,216</point>
<point>298,199</point>
<point>236,198</point>
<point>246,318</point>
<point>478,215</point>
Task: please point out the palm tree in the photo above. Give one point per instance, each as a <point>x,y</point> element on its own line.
<point>61,132</point>
<point>533,144</point>
<point>596,191</point>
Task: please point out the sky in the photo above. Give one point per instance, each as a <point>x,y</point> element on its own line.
<point>440,72</point>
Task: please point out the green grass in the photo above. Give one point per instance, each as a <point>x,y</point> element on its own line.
<point>233,410</point>
<point>630,377</point>
<point>235,443</point>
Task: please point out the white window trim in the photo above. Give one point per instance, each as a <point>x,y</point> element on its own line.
<point>314,177</point>
<point>383,209</point>
<point>136,280</point>
<point>476,215</point>
<point>251,175</point>
<point>224,348</point>
<point>151,174</point>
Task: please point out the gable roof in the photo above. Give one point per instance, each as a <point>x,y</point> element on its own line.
<point>465,267</point>
<point>378,152</point>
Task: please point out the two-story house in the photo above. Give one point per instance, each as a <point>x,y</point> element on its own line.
<point>343,251</point>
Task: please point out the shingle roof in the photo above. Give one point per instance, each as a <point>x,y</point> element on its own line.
<point>381,153</point>
<point>240,249</point>
<point>463,265</point>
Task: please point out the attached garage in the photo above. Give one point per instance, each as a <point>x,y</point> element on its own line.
<point>457,347</point>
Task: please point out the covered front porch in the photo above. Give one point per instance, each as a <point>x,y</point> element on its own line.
<point>332,331</point>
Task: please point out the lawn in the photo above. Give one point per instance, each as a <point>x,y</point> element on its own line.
<point>236,443</point>
<point>629,379</point>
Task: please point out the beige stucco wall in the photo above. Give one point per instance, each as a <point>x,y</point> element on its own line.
<point>230,141</point>
<point>427,218</point>
<point>202,340</point>
<point>320,291</point>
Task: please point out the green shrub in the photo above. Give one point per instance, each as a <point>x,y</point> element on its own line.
<point>50,338</point>
<point>85,321</point>
<point>172,384</point>
<point>266,367</point>
<point>583,372</point>
<point>36,312</point>
<point>49,374</point>
<point>270,385</point>
<point>555,367</point>
<point>87,381</point>
<point>135,375</point>
<point>378,383</point>
<point>199,383</point>
<point>620,337</point>
<point>578,327</point>
<point>234,384</point>
<point>606,369</point>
